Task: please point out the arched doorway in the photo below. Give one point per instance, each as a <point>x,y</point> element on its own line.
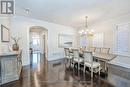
<point>38,42</point>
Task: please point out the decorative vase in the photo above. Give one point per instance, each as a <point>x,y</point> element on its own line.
<point>15,47</point>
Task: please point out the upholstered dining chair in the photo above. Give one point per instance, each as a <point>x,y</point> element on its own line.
<point>68,55</point>
<point>92,65</point>
<point>77,58</point>
<point>105,50</point>
<point>19,59</point>
<point>98,50</point>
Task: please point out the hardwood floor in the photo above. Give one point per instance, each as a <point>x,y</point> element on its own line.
<point>56,74</point>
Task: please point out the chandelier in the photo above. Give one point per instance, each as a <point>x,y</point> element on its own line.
<point>86,31</point>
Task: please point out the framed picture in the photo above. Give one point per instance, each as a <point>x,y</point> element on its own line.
<point>4,34</point>
<point>65,40</point>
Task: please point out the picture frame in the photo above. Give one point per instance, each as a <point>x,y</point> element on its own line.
<point>5,35</point>
<point>65,40</point>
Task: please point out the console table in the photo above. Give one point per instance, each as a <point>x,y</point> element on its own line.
<point>10,67</point>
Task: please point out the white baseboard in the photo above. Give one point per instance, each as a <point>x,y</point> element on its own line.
<point>53,59</point>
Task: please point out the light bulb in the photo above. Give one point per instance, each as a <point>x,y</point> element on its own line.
<point>87,30</point>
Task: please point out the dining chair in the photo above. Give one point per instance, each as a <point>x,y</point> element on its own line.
<point>92,65</point>
<point>19,59</point>
<point>82,49</point>
<point>92,49</point>
<point>105,50</point>
<point>68,55</point>
<point>77,58</point>
<point>98,50</point>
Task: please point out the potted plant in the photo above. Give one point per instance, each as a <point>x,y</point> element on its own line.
<point>15,46</point>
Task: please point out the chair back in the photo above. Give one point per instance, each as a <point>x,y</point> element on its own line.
<point>88,56</point>
<point>105,50</point>
<point>19,53</point>
<point>75,53</point>
<point>66,51</point>
<point>19,56</point>
<point>98,50</point>
<point>92,49</point>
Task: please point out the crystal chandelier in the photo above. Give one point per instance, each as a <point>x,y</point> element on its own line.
<point>86,31</point>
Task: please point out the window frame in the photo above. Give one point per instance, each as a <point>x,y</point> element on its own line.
<point>116,41</point>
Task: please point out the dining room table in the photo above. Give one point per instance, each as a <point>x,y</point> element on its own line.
<point>102,57</point>
<point>105,58</point>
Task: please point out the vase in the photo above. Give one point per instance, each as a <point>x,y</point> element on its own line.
<point>15,47</point>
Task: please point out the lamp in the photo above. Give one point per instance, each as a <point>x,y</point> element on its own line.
<point>86,31</point>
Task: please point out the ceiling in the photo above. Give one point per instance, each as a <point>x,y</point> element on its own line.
<point>72,12</point>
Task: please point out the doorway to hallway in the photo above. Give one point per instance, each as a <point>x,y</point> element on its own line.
<point>38,42</point>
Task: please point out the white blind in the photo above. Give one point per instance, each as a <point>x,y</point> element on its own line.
<point>98,40</point>
<point>123,33</point>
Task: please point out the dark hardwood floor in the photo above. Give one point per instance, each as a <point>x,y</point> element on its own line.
<point>42,73</point>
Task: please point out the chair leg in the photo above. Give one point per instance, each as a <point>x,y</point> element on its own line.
<point>78,65</point>
<point>105,66</point>
<point>65,62</point>
<point>99,70</point>
<point>70,62</point>
<point>91,72</point>
<point>84,68</point>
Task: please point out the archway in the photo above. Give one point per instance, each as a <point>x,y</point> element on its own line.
<point>38,41</point>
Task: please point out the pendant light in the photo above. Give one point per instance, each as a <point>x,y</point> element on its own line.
<point>86,30</point>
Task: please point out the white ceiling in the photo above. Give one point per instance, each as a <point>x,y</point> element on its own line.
<point>72,12</point>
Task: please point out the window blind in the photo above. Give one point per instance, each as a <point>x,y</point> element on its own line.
<point>123,34</point>
<point>98,40</point>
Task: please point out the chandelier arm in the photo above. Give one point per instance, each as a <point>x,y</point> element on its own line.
<point>86,31</point>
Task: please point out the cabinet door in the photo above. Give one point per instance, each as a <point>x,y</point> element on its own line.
<point>9,69</point>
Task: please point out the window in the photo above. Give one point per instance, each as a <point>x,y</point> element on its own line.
<point>122,39</point>
<point>98,40</point>
<point>36,41</point>
<point>83,41</point>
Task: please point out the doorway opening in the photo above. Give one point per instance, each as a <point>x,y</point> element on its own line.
<point>38,43</point>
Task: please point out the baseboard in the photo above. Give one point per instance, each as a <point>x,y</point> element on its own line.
<point>50,60</point>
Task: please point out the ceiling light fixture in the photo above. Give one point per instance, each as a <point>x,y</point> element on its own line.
<point>86,31</point>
